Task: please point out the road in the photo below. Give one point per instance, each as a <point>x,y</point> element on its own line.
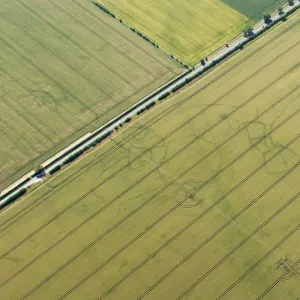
<point>90,138</point>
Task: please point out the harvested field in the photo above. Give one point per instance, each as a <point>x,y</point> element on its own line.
<point>198,199</point>
<point>66,68</point>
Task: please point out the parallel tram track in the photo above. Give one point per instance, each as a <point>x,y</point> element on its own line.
<point>161,116</point>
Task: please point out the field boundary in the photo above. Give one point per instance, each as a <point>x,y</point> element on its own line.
<point>273,14</point>
<point>79,147</point>
<point>142,35</point>
<point>88,166</point>
<point>286,7</point>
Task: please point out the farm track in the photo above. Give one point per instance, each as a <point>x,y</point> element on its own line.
<point>167,160</point>
<point>160,117</point>
<point>82,129</point>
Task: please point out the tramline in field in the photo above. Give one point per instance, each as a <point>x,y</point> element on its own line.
<point>63,79</point>
<point>198,199</point>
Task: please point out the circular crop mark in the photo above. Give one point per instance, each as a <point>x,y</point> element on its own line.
<point>45,98</point>
<point>291,271</point>
<point>285,269</point>
<point>190,194</point>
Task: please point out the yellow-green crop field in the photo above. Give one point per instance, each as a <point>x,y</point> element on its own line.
<point>198,199</point>
<point>66,68</point>
<point>191,29</point>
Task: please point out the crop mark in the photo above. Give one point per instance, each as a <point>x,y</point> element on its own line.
<point>80,225</point>
<point>162,115</point>
<point>236,248</point>
<point>115,199</point>
<point>279,279</point>
<point>33,94</point>
<point>193,222</point>
<point>289,268</point>
<point>46,75</point>
<point>46,98</point>
<point>77,130</point>
<point>145,203</point>
<point>223,74</point>
<point>216,233</point>
<point>25,119</point>
<point>178,152</point>
<point>258,129</point>
<point>189,190</point>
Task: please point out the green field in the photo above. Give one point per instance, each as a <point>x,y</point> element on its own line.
<point>198,199</point>
<point>66,68</point>
<point>191,29</point>
<point>254,9</point>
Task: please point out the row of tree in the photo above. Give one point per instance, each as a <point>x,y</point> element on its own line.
<point>248,31</point>
<point>13,198</point>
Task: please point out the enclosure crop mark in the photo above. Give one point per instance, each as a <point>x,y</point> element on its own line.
<point>190,190</point>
